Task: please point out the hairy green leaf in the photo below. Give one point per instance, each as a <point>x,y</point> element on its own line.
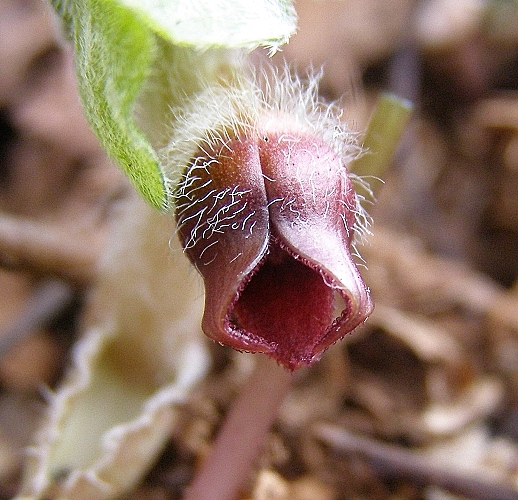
<point>119,44</point>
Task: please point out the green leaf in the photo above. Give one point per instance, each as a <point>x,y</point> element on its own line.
<point>224,23</point>
<point>113,55</point>
<point>118,45</point>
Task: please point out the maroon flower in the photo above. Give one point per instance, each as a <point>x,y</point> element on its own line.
<point>267,219</point>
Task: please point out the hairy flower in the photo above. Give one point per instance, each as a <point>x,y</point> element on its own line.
<point>267,213</point>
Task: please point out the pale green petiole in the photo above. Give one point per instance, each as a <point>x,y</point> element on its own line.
<point>386,127</point>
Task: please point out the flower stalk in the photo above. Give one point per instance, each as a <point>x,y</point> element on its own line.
<point>241,439</point>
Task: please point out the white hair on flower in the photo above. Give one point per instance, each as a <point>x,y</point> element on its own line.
<point>267,99</point>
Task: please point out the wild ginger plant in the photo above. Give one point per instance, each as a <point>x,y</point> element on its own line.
<point>256,173</point>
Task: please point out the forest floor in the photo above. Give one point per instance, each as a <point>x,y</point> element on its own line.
<point>421,402</point>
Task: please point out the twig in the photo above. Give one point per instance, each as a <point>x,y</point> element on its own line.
<point>46,250</point>
<point>242,435</point>
<point>48,299</point>
<point>396,461</point>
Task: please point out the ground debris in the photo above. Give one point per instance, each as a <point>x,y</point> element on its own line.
<point>421,402</point>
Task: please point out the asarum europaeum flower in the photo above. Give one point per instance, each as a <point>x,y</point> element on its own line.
<point>267,213</point>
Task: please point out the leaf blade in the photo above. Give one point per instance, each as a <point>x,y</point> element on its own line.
<point>116,43</point>
<point>113,56</point>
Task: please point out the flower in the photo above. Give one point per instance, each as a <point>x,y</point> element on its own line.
<point>267,213</point>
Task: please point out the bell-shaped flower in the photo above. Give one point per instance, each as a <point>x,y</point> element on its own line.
<point>267,213</point>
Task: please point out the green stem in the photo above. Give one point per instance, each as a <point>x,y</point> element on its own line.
<point>386,127</point>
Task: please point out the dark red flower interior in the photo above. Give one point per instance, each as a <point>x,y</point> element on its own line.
<point>288,305</point>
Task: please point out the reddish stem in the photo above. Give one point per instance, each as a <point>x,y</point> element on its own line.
<point>242,435</point>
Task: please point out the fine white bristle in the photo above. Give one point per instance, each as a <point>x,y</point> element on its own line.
<point>266,99</point>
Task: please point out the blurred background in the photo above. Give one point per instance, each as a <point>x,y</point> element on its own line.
<point>430,382</point>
